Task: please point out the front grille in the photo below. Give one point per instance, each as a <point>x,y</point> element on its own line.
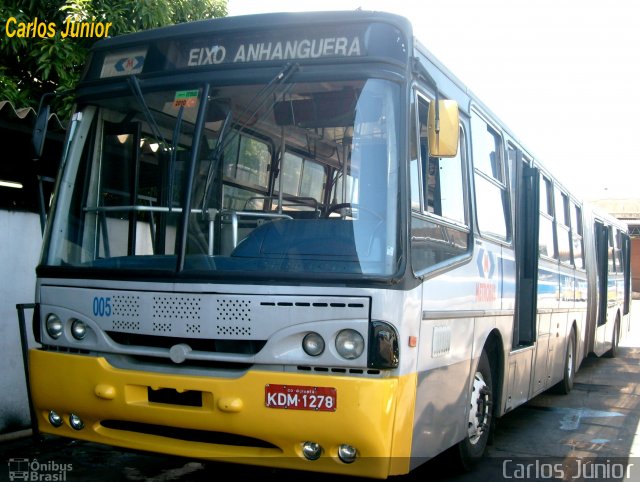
<point>64,349</point>
<point>150,362</point>
<point>188,434</point>
<point>350,371</point>
<point>244,347</point>
<point>177,307</point>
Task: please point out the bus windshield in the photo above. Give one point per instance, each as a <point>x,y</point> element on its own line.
<point>279,177</point>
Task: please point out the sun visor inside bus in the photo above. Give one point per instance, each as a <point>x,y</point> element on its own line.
<point>321,109</point>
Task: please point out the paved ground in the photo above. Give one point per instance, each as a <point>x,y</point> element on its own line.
<point>591,434</point>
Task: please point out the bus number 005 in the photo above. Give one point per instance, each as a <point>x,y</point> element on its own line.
<point>101,306</point>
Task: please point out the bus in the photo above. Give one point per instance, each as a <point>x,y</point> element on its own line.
<point>297,240</point>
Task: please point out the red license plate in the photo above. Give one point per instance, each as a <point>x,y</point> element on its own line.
<point>298,397</point>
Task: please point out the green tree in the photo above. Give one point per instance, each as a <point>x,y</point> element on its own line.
<point>33,66</point>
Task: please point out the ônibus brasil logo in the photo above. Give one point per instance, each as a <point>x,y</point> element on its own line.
<point>34,471</point>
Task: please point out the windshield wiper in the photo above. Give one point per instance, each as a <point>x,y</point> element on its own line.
<point>215,161</point>
<point>134,83</point>
<point>174,153</point>
<point>261,97</point>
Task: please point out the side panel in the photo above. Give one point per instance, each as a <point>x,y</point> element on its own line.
<point>519,377</point>
<point>460,309</point>
<point>547,325</point>
<point>579,314</point>
<point>608,279</point>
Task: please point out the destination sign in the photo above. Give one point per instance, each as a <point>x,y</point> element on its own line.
<point>219,48</point>
<point>306,48</point>
<point>271,46</point>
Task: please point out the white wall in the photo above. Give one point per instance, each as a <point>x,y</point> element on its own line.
<point>20,242</point>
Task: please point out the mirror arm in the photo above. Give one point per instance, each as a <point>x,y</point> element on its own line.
<point>39,133</point>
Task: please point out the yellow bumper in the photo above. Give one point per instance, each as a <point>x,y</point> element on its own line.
<point>373,415</point>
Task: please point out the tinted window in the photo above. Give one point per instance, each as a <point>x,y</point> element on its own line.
<point>576,232</point>
<point>546,244</point>
<point>438,198</point>
<point>562,224</point>
<point>491,192</point>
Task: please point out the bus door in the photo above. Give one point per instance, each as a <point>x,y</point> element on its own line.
<point>526,255</point>
<point>626,260</point>
<point>602,271</point>
<point>527,202</point>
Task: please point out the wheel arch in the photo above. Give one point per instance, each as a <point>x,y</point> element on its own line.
<point>494,346</point>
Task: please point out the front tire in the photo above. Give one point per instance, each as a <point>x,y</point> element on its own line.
<point>472,448</point>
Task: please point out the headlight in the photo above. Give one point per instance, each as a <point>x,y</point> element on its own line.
<point>313,344</point>
<point>349,344</point>
<point>54,326</point>
<point>78,329</point>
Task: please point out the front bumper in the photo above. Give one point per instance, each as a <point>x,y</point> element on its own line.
<point>373,415</point>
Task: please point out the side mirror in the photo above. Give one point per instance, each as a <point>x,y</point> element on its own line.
<point>40,131</point>
<point>443,128</point>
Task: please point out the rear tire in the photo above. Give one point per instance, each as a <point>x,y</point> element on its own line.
<point>566,384</point>
<point>472,448</point>
<point>615,340</point>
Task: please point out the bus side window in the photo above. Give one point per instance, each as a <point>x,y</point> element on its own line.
<point>546,244</point>
<point>303,182</point>
<point>576,234</point>
<point>490,180</point>
<point>619,252</point>
<point>437,199</point>
<point>442,178</point>
<point>246,161</point>
<point>563,227</point>
<point>612,263</point>
<point>431,182</point>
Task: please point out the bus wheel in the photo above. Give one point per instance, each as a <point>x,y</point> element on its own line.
<point>566,384</point>
<point>472,448</point>
<point>615,339</point>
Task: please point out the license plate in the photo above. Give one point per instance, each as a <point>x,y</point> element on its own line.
<point>298,397</point>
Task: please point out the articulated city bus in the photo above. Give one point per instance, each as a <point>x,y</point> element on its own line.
<point>297,240</point>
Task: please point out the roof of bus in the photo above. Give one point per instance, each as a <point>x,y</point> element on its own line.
<point>275,21</point>
<point>267,39</point>
<point>257,21</point>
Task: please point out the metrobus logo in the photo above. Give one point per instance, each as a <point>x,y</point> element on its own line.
<point>486,289</point>
<point>128,65</point>
<point>486,263</point>
<point>123,63</point>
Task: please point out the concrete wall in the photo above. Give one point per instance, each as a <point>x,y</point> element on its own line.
<point>20,242</point>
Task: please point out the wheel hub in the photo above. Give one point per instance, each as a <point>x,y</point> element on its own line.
<point>479,413</point>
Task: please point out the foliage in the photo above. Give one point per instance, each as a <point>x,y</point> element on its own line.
<point>33,66</point>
